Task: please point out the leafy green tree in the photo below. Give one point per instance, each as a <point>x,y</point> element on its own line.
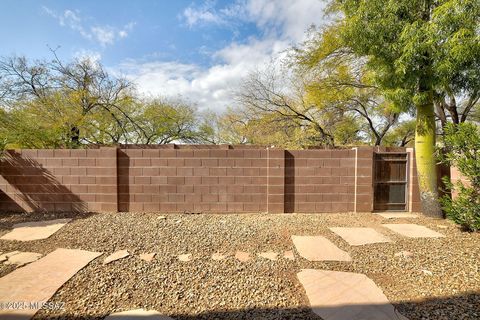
<point>162,121</point>
<point>416,47</point>
<point>35,124</point>
<point>462,143</point>
<point>232,127</point>
<point>280,99</point>
<point>64,96</point>
<point>52,104</point>
<point>402,135</point>
<point>336,78</point>
<point>457,60</point>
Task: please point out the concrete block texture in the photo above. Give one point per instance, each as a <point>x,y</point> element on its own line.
<point>191,178</point>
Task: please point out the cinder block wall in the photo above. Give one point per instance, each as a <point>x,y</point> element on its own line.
<point>177,178</point>
<point>414,201</point>
<point>193,180</point>
<point>59,180</point>
<point>320,181</point>
<point>456,176</point>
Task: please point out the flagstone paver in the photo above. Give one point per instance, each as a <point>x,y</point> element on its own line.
<point>270,255</point>
<point>39,280</point>
<point>218,256</point>
<point>23,258</point>
<point>185,257</point>
<point>5,256</point>
<point>413,230</point>
<point>335,295</point>
<point>289,255</point>
<point>137,314</point>
<point>147,256</point>
<point>120,254</point>
<point>242,256</point>
<point>360,236</point>
<point>318,248</point>
<point>35,230</point>
<point>397,215</point>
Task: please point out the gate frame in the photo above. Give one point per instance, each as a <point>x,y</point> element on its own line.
<point>408,178</point>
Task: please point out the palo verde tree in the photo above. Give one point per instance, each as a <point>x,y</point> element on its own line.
<point>164,121</point>
<point>45,104</point>
<point>67,96</point>
<point>416,47</point>
<point>335,76</point>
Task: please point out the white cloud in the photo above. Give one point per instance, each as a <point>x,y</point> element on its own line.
<point>289,17</point>
<point>104,35</point>
<point>207,88</point>
<point>282,23</point>
<point>93,56</point>
<point>123,33</point>
<point>204,14</point>
<point>194,16</point>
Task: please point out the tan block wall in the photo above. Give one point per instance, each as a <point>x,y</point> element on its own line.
<point>319,180</point>
<point>59,180</point>
<point>414,201</point>
<point>456,176</point>
<point>364,179</point>
<point>191,178</point>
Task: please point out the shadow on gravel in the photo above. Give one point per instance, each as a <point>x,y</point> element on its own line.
<point>463,307</point>
<point>8,219</point>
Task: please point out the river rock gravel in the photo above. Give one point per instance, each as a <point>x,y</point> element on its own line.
<point>204,288</point>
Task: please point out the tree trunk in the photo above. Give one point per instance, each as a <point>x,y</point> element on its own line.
<point>425,158</point>
<point>75,136</point>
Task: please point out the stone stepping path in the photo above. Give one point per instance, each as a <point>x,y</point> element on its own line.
<point>120,254</point>
<point>270,255</point>
<point>360,236</point>
<point>35,230</point>
<point>318,248</point>
<point>137,314</point>
<point>218,256</point>
<point>185,257</point>
<point>242,256</point>
<point>5,256</point>
<point>397,215</point>
<point>335,295</point>
<point>39,280</point>
<point>413,230</point>
<point>22,258</point>
<point>147,256</point>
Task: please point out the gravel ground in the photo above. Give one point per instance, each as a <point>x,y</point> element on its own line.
<point>257,289</point>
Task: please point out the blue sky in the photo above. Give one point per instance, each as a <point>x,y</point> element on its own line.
<point>197,50</point>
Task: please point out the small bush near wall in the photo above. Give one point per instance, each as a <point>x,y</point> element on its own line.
<point>462,144</point>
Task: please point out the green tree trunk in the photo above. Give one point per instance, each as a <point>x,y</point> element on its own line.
<point>425,158</point>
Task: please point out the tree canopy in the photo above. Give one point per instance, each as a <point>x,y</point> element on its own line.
<point>51,104</point>
<point>423,53</point>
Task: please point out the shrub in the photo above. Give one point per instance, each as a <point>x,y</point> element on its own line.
<point>462,150</point>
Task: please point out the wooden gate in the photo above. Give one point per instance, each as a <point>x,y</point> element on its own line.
<point>390,181</point>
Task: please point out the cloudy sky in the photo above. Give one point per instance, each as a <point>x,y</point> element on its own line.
<point>199,50</point>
